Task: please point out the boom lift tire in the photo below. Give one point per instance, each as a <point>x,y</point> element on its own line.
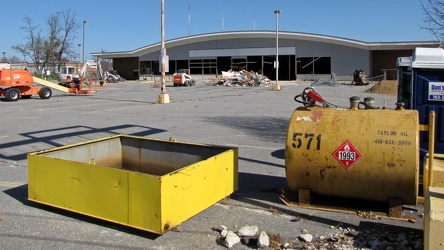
<point>45,93</point>
<point>12,94</point>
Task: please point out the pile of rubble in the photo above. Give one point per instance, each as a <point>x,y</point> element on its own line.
<point>343,238</point>
<point>322,82</point>
<point>360,78</point>
<point>247,235</point>
<point>239,78</point>
<point>385,87</point>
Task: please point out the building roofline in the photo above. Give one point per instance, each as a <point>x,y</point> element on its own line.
<point>269,34</point>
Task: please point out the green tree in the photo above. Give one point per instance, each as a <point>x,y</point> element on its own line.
<point>434,18</point>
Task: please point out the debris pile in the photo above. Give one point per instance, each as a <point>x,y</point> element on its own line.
<point>247,235</point>
<point>340,238</point>
<point>239,78</point>
<point>323,82</point>
<point>360,78</point>
<point>385,87</point>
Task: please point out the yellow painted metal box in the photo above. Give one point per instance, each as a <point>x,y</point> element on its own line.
<point>149,184</point>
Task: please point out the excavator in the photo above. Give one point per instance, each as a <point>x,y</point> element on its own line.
<point>90,70</point>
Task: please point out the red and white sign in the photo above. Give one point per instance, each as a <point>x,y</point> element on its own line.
<point>347,155</point>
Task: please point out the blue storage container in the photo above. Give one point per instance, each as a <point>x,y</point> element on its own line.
<point>427,87</point>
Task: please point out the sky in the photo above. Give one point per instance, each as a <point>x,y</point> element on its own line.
<point>125,25</point>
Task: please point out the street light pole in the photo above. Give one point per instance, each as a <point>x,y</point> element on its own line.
<point>83,38</point>
<point>78,62</point>
<point>24,61</point>
<point>276,86</point>
<point>163,97</point>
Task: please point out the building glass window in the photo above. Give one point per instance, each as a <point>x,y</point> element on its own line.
<point>203,66</point>
<point>195,66</point>
<point>238,64</point>
<point>314,65</point>
<point>209,66</point>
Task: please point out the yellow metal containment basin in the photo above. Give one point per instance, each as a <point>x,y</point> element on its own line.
<point>362,154</point>
<point>149,184</point>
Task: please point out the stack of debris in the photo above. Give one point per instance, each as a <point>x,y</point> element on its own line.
<point>247,235</point>
<point>322,82</point>
<point>339,237</point>
<point>385,87</point>
<point>239,78</point>
<point>360,78</point>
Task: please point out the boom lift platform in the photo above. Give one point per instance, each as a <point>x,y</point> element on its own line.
<point>72,87</point>
<point>16,83</point>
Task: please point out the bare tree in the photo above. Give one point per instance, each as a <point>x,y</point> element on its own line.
<point>55,46</point>
<point>14,59</point>
<point>52,42</point>
<point>67,35</point>
<point>34,43</point>
<point>434,18</point>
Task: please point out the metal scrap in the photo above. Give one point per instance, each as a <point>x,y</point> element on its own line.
<point>238,78</point>
<point>360,78</point>
<point>323,82</point>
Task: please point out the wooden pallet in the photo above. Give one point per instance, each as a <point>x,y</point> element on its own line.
<point>392,209</point>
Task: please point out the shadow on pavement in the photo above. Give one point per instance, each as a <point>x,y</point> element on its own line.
<point>20,193</point>
<point>265,127</point>
<point>51,136</point>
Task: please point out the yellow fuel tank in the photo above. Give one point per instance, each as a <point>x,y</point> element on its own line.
<point>367,154</point>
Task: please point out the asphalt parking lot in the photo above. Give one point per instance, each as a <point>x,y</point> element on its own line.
<point>254,119</point>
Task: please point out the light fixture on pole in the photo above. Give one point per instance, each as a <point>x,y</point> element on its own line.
<point>78,62</point>
<point>163,97</point>
<point>83,38</point>
<point>277,86</point>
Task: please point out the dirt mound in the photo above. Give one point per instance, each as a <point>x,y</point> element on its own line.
<point>385,87</point>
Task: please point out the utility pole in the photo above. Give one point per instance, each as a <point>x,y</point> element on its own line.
<point>78,62</point>
<point>163,97</point>
<point>277,87</point>
<point>189,18</point>
<point>83,37</point>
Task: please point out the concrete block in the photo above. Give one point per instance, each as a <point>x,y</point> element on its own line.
<point>434,218</point>
<point>438,172</point>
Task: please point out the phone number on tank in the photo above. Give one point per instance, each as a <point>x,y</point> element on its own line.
<point>393,142</point>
